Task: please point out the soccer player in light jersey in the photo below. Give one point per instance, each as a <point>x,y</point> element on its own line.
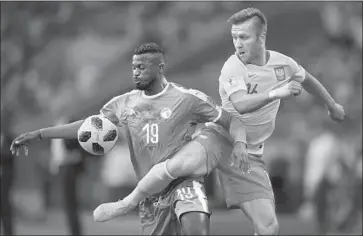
<point>245,85</point>
<point>159,120</point>
<point>251,84</point>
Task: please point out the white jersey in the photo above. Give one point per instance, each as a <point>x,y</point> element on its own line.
<point>235,76</point>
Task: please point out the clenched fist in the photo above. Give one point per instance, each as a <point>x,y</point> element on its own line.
<point>289,89</point>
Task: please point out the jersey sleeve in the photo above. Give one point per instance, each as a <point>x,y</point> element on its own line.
<point>112,110</point>
<point>298,72</point>
<point>232,78</point>
<point>205,109</point>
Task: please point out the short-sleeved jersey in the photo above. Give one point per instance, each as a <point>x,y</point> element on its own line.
<point>158,126</point>
<point>235,76</point>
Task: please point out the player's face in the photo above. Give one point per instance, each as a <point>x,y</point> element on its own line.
<point>246,41</point>
<point>145,71</point>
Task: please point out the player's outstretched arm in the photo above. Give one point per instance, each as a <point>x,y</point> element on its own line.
<point>247,103</point>
<point>315,88</point>
<point>67,131</point>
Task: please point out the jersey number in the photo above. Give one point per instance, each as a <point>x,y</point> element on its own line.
<point>251,88</point>
<point>152,133</point>
<point>185,193</point>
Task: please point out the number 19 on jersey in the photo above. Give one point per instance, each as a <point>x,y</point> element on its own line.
<point>151,132</point>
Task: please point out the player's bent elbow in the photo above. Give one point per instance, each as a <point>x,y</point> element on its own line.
<point>242,109</point>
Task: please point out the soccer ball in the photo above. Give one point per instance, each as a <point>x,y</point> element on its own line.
<point>97,135</point>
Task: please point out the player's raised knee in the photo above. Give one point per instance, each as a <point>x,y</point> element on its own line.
<point>189,161</point>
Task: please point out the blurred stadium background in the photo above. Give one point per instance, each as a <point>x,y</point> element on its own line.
<point>62,61</point>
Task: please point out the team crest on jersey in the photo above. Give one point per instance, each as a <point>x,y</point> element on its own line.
<point>165,113</point>
<point>280,73</point>
<point>232,81</point>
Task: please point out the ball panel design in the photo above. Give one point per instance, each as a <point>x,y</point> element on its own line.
<point>110,136</point>
<point>84,136</point>
<point>97,123</point>
<point>97,149</point>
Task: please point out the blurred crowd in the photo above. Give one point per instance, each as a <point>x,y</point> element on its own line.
<point>65,59</point>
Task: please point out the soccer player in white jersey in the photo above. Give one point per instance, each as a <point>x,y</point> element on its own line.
<point>251,84</point>
<point>245,85</point>
<point>159,119</point>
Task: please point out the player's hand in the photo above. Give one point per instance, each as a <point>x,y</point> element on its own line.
<point>240,157</point>
<point>289,89</point>
<point>24,140</point>
<point>336,112</point>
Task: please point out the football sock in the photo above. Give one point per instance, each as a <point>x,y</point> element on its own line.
<point>156,180</point>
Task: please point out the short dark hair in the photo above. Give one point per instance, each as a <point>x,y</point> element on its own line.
<point>148,48</point>
<point>249,13</point>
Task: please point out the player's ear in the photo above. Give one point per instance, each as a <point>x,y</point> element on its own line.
<point>262,36</point>
<point>161,67</point>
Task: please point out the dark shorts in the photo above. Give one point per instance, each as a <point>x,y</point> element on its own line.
<point>160,214</point>
<point>237,186</point>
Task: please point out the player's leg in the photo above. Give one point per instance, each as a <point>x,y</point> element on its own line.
<point>191,159</point>
<point>182,209</point>
<point>252,193</point>
<point>191,208</point>
<point>262,214</point>
<point>195,223</point>
<point>157,217</point>
<point>197,158</point>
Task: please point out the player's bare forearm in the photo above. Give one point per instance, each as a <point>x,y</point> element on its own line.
<point>247,103</point>
<point>67,131</point>
<point>233,125</point>
<point>315,88</point>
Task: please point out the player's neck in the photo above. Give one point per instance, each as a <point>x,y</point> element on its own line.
<point>156,87</point>
<point>262,59</point>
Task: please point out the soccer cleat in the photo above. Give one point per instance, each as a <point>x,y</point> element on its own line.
<point>111,210</point>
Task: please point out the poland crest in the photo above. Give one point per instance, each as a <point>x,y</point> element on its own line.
<point>280,73</point>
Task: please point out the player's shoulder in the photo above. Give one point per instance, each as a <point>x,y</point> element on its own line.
<point>190,93</point>
<point>279,58</point>
<point>178,89</point>
<point>122,97</point>
<point>233,64</point>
